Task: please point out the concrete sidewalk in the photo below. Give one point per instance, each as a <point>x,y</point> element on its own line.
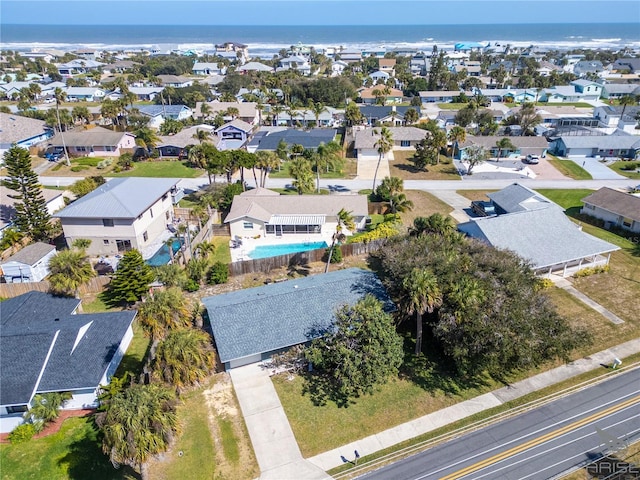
<point>459,203</point>
<point>276,449</point>
<point>566,285</point>
<point>459,411</point>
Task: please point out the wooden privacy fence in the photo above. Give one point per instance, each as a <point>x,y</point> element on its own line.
<point>265,265</point>
<point>10,290</point>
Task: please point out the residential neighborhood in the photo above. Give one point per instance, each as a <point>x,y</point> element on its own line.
<point>276,251</point>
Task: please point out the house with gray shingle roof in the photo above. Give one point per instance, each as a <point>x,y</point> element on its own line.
<point>48,345</point>
<point>538,231</point>
<point>31,264</point>
<point>309,139</point>
<point>176,145</point>
<point>625,146</point>
<point>157,114</point>
<point>404,138</point>
<point>95,142</point>
<point>291,218</point>
<point>524,146</point>
<point>616,208</point>
<point>253,324</point>
<point>122,214</point>
<point>22,131</point>
<point>234,134</point>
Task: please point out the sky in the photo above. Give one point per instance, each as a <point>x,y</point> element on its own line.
<point>315,12</point>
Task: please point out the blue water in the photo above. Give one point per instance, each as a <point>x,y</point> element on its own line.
<point>264,251</point>
<point>162,256</point>
<point>267,40</point>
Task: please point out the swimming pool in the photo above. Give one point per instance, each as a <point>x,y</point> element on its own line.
<point>264,251</point>
<point>162,256</point>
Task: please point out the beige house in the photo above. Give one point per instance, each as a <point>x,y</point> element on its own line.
<point>618,209</point>
<point>404,138</point>
<point>247,111</point>
<point>122,214</point>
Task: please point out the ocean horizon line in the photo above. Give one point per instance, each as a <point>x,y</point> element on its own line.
<point>297,25</point>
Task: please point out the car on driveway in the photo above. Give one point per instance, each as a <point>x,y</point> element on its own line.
<point>532,159</point>
<point>483,209</point>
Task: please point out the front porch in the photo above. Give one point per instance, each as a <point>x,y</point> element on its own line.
<point>570,268</point>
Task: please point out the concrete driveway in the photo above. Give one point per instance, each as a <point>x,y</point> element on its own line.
<point>597,169</point>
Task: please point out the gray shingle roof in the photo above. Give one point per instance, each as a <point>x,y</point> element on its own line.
<point>79,347</point>
<point>601,142</point>
<point>367,138</point>
<point>518,198</point>
<point>30,254</point>
<point>263,206</point>
<point>543,237</point>
<point>617,202</point>
<point>119,198</point>
<point>14,128</point>
<point>153,110</point>
<point>309,139</point>
<point>489,141</point>
<point>280,315</point>
<point>89,138</point>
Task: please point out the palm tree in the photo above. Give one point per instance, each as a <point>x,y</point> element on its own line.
<point>504,144</point>
<point>266,162</point>
<point>205,110</point>
<point>625,101</point>
<point>423,295</point>
<point>411,116</point>
<point>201,135</point>
<point>345,221</point>
<point>325,156</point>
<point>434,224</point>
<point>68,270</point>
<point>277,110</point>
<point>388,187</point>
<point>46,408</point>
<point>300,171</point>
<point>437,141</point>
<point>60,95</point>
<point>162,312</point>
<point>140,422</point>
<point>184,358</point>
<point>233,112</point>
<point>317,108</point>
<point>399,203</point>
<point>146,138</point>
<point>384,146</point>
<point>457,135</point>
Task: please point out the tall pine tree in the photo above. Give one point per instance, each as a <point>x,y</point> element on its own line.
<point>32,216</point>
<point>132,278</point>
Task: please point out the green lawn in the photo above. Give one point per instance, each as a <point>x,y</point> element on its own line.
<point>160,169</point>
<point>133,359</point>
<point>223,251</point>
<point>284,172</point>
<point>569,168</point>
<point>617,167</point>
<point>402,167</point>
<point>568,198</point>
<point>72,453</point>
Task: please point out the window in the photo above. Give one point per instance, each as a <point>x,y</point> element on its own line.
<point>107,222</point>
<point>17,409</point>
<point>247,225</point>
<point>405,143</point>
<point>105,242</point>
<point>145,236</point>
<point>81,149</point>
<point>151,212</point>
<point>109,148</point>
<point>123,245</point>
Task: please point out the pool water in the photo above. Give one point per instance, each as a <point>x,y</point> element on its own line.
<point>162,256</point>
<point>264,251</point>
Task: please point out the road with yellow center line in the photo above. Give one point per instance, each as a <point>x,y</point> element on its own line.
<point>542,439</point>
<point>535,445</point>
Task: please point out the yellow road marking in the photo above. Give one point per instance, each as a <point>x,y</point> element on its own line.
<point>537,441</point>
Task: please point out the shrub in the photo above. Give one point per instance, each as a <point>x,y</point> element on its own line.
<point>79,168</point>
<point>586,272</point>
<point>336,256</point>
<point>629,166</point>
<point>218,273</point>
<point>104,163</point>
<point>190,285</point>
<point>543,284</point>
<point>22,433</point>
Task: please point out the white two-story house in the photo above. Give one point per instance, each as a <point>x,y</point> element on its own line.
<point>120,215</point>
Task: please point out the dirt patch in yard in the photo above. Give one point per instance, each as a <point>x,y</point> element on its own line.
<point>403,167</point>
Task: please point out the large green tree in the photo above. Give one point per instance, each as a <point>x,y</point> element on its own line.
<point>344,221</point>
<point>68,270</point>
<point>132,278</point>
<point>493,317</point>
<point>31,217</point>
<point>362,350</point>
<point>302,175</point>
<point>422,295</point>
<point>140,422</point>
<point>184,358</point>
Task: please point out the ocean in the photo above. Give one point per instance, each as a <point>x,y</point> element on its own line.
<point>265,41</point>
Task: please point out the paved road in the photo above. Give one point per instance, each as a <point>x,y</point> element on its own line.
<point>536,445</point>
<point>354,185</point>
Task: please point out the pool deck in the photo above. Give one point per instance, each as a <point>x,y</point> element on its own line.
<point>241,253</point>
<point>150,250</point>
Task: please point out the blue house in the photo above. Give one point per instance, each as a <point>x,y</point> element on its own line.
<point>21,131</point>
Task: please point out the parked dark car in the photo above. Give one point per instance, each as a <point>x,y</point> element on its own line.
<point>483,209</point>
